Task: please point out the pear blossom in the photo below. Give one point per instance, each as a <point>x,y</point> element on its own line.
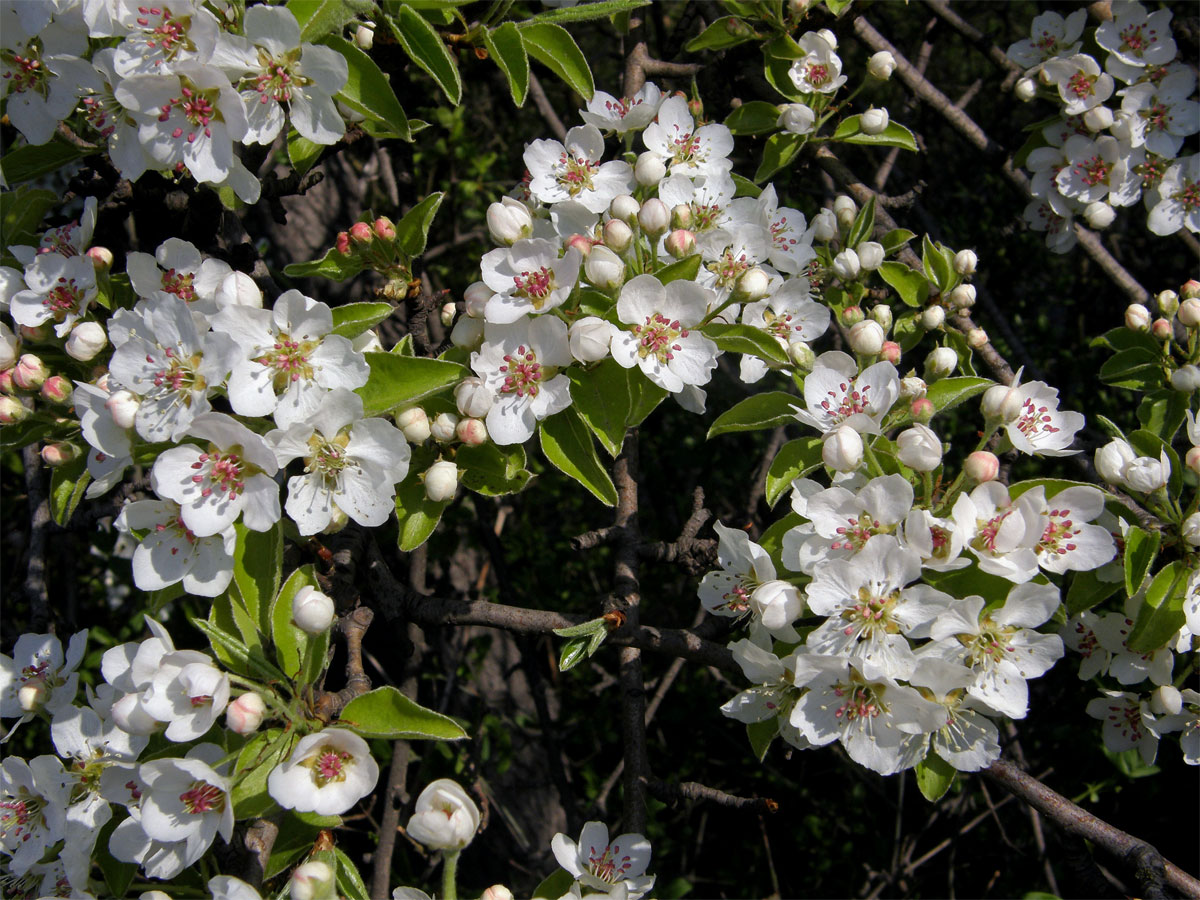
<point>1042,429</point>
<point>773,691</point>
<point>629,114</point>
<point>744,566</point>
<point>326,773</point>
<point>790,315</point>
<point>1131,666</point>
<point>159,38</point>
<point>170,552</point>
<point>597,863</point>
<point>33,802</point>
<point>186,801</point>
<point>1069,542</point>
<point>1080,634</point>
<point>178,268</point>
<point>58,290</point>
<point>836,393</point>
<point>445,816</point>
<point>937,541</point>
<point>659,335</point>
<point>707,197</point>
<point>844,519</point>
<point>1163,114</point>
<point>819,70</point>
<point>42,76</point>
<point>1080,83</point>
<point>968,740</point>
<point>674,138</point>
<point>39,675</point>
<point>109,446</point>
<point>1097,169</point>
<point>528,278</point>
<point>1138,38</point>
<point>1179,199</point>
<point>1000,532</point>
<point>572,170</point>
<point>1051,35</point>
<point>1128,723</point>
<point>187,692</point>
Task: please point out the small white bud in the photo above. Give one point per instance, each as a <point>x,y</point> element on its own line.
<point>919,448</point>
<point>32,694</point>
<point>752,285</point>
<point>10,345</point>
<point>976,338</point>
<point>467,332</point>
<point>1186,379</point>
<point>312,881</point>
<point>471,431</point>
<point>1137,317</point>
<point>509,221</point>
<point>963,296</point>
<point>1147,474</point>
<point>1099,215</point>
<point>883,315</point>
<point>802,355</point>
<point>364,36</point>
<point>1165,700</point>
<point>441,481</point>
<point>649,170</point>
<point>681,243</point>
<point>881,65</point>
<point>1098,118</point>
<point>123,406</point>
<point>796,118</point>
<point>476,298</point>
<point>842,450</point>
<point>449,311</point>
<point>654,217</point>
<point>912,387</point>
<point>965,262</point>
<point>940,363</point>
<point>87,339</point>
<point>617,235</point>
<point>625,208</point>
<point>1001,403</point>
<point>982,466</point>
<point>932,318</point>
<point>473,397</point>
<point>1112,459</point>
<point>830,38</point>
<point>442,427</point>
<point>874,121</point>
<point>1189,312</point>
<point>845,210</point>
<point>244,714</point>
<point>414,425</point>
<point>870,255</point>
<point>866,338</point>
<point>367,342</point>
<point>1025,89</point>
<point>846,265</point>
<point>824,225</point>
<point>496,892</point>
<point>1191,526</point>
<point>312,611</point>
<point>590,338</point>
<point>604,268</point>
<point>1168,303</point>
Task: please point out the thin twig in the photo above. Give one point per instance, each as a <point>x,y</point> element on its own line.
<point>542,102</point>
<point>352,628</point>
<point>673,794</point>
<point>37,592</point>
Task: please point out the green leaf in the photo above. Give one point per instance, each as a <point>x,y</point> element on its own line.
<point>1135,368</point>
<point>302,153</point>
<point>227,648</point>
<point>507,51</point>
<point>319,18</point>
<point>756,412</point>
<point>584,629</point>
<point>754,117</point>
<point>895,239</point>
<point>567,444</point>
<point>863,226</point>
<point>681,270</point>
<point>1162,412</point>
<point>1122,338</point>
<point>1087,590</point>
<point>574,651</point>
<point>117,875</point>
<point>593,10</point>
<point>795,459</point>
<point>553,46</point>
<point>1161,615</point>
<point>22,211</point>
<point>397,381</point>
<point>745,339</point>
<point>725,32</point>
<point>554,886</point>
<point>353,319</point>
<point>947,393</point>
<point>971,580</point>
<point>937,267</point>
<point>837,7</point>
<point>425,47</point>
<point>601,395</point>
<point>771,540</point>
<point>297,833</point>
<point>1141,547</point>
<point>30,162</point>
<point>761,734</point>
<point>67,485</point>
<point>291,644</point>
<point>934,776</point>
<point>349,881</point>
<point>912,286</point>
<point>1050,486</point>
<point>492,470</point>
<point>412,231</point>
<point>895,135</point>
<point>334,265</point>
<point>257,570</point>
<point>368,91</point>
<point>418,514</point>
<point>745,187</point>
<point>387,713</point>
<point>644,397</point>
<point>780,150</point>
<point>230,616</point>
<point>957,341</point>
<point>776,69</point>
<point>907,329</point>
<point>262,753</point>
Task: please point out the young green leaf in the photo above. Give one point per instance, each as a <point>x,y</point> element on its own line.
<point>397,380</point>
<point>553,46</point>
<point>353,319</point>
<point>387,713</point>
<point>601,395</point>
<point>754,117</point>
<point>795,459</point>
<point>425,47</point>
<point>759,411</point>
<point>567,444</point>
<point>412,231</point>
<point>507,50</point>
<point>368,91</point>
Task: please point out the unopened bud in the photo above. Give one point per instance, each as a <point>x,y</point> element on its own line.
<point>1137,317</point>
<point>6,382</point>
<point>312,881</point>
<point>912,387</point>
<point>1189,312</point>
<point>12,411</point>
<point>476,298</point>
<point>59,454</point>
<point>580,243</point>
<point>963,296</point>
<point>870,255</point>
<point>1190,289</point>
<point>36,334</point>
<point>312,611</point>
<point>846,265</point>
<point>57,389</point>
<point>1165,700</point>
<point>681,243</point>
<point>842,449</point>
<point>852,315</point>
<point>802,355</point>
<point>977,338</point>
<point>890,352</point>
<point>844,210</point>
<point>360,232</point>
<point>1168,303</point>
<point>471,431</point>
<point>1191,460</point>
<point>1098,118</point>
<point>922,410</point>
<point>449,310</point>
<point>384,228</point>
<point>473,397</point>
<point>442,427</point>
<point>1186,379</point>
<point>874,121</point>
<point>982,466</point>
<point>101,257</point>
<point>342,243</point>
<point>965,262</point>
<point>414,425</point>
<point>604,268</point>
<point>244,714</point>
<point>883,315</point>
<point>796,118</point>
<point>933,318</point>
<point>824,226</point>
<point>866,338</point>
<point>590,338</point>
<point>617,235</point>
<point>123,406</point>
<point>1001,404</point>
<point>752,285</point>
<point>881,65</point>
<point>496,892</point>
<point>1099,215</point>
<point>30,372</point>
<point>32,694</point>
<point>681,215</point>
<point>441,481</point>
<point>1191,526</point>
<point>509,221</point>
<point>649,169</point>
<point>467,332</point>
<point>1161,329</point>
<point>364,36</point>
<point>696,108</point>
<point>940,363</point>
<point>87,339</point>
<point>1025,89</point>
<point>625,208</point>
<point>654,217</point>
<point>10,346</point>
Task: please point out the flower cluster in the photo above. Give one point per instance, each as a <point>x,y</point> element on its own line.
<point>1096,157</point>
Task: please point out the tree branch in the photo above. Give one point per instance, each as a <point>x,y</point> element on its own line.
<point>673,794</point>
<point>640,64</point>
<point>542,102</point>
<point>37,592</point>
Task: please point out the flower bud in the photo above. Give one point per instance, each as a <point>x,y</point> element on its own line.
<point>624,207</point>
<point>976,338</point>
<point>846,265</point>
<point>1185,379</point>
<point>364,36</point>
<point>965,262</point>
<point>604,268</point>
<point>883,315</point>
<point>581,243</point>
<point>1168,303</point>
<point>649,170</point>
<point>312,611</point>
<point>933,318</point>
<point>802,355</point>
<point>681,243</point>
<point>448,312</point>
<point>590,339</point>
<point>360,233</point>
<point>1191,526</point>
<point>1001,404</point>
<point>471,431</point>
<point>1192,459</point>
<point>1146,474</point>
<point>442,427</point>
<point>1161,329</point>
<point>244,714</point>
<point>367,342</point>
<point>940,363</point>
<point>57,389</point>
<point>881,65</point>
<point>617,235</point>
<point>777,603</point>
<point>473,397</point>
<point>654,217</point>
<point>101,257</point>
<point>467,332</point>
<point>312,881</point>
<point>1137,317</point>
<point>842,450</point>
<point>866,338</point>
<point>342,243</point>
<point>1099,215</point>
<point>752,285</point>
<point>1190,289</point>
<point>1098,118</point>
<point>796,118</point>
<point>963,296</point>
<point>86,340</point>
<point>32,694</point>
<point>681,215</point>
<point>384,229</point>
<point>1112,459</point>
<point>445,817</point>
<point>1189,312</point>
<point>830,38</point>
<point>12,411</point>
<point>1025,89</point>
<point>912,387</point>
<point>496,892</point>
<point>844,209</point>
<point>921,410</point>
<point>824,225</point>
<point>414,425</point>
<point>30,372</point>
<point>1165,700</point>
<point>852,315</point>
<point>10,345</point>
<point>441,481</point>
<point>35,334</point>
<point>874,121</point>
<point>509,221</point>
<point>696,108</point>
<point>476,298</point>
<point>870,255</point>
<point>919,447</point>
<point>890,352</point>
<point>982,466</point>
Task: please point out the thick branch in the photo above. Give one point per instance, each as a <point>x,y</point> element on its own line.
<point>1134,852</point>
<point>640,64</point>
<point>353,628</point>
<point>36,590</point>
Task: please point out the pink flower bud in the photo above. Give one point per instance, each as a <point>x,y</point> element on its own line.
<point>1161,329</point>
<point>441,481</point>
<point>57,389</point>
<point>12,411</point>
<point>654,217</point>
<point>1137,317</point>
<point>59,454</point>
<point>123,406</point>
<point>696,108</point>
<point>442,427</point>
<point>30,372</point>
<point>384,229</point>
<point>1190,289</point>
<point>7,386</point>
<point>852,315</point>
<point>890,352</point>
<point>681,243</point>
<point>87,339</point>
<point>982,466</point>
<point>471,431</point>
<point>360,233</point>
<point>1192,460</point>
<point>922,410</point>
<point>580,242</point>
<point>245,714</point>
<point>681,216</point>
<point>35,334</point>
<point>312,611</point>
<point>342,243</point>
<point>617,235</point>
<point>101,257</point>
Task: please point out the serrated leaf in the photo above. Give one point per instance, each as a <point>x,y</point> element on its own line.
<point>780,150</point>
<point>745,339</point>
<point>681,270</point>
<point>387,713</point>
<point>863,225</point>
<point>492,470</point>
<point>760,735</point>
<point>418,514</point>
<point>334,265</point>
<point>567,444</point>
<point>397,381</point>
<point>353,319</point>
<point>795,459</point>
<point>601,395</point>
<point>368,91</point>
<point>67,486</point>
<point>934,777</point>
<point>1141,547</point>
<point>349,881</point>
<point>912,286</point>
<point>1161,614</point>
<point>318,18</point>
<point>595,10</point>
<point>553,46</point>
<point>745,187</point>
<point>507,51</point>
<point>937,269</point>
<point>412,231</point>
<point>425,47</point>
<point>895,135</point>
<point>754,117</point>
<point>728,31</point>
<point>759,411</point>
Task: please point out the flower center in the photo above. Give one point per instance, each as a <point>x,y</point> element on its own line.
<point>179,283</point>
<point>621,108</point>
<point>1093,171</point>
<point>1151,171</point>
<point>1188,196</point>
<point>848,400</point>
<point>857,531</point>
<point>535,286</point>
<point>63,299</point>
<point>227,472</point>
<point>25,73</point>
<point>19,816</point>
<point>686,148</point>
<point>279,77</point>
<point>780,325</point>
<point>729,268</point>
<point>575,173</point>
<point>1137,38</point>
<point>329,765</point>
<point>658,337</point>
<point>199,109</point>
<point>328,457</point>
<point>987,530</point>
<point>818,74</point>
<point>1059,531</point>
<point>169,34</point>
<point>990,645</point>
<point>180,529</point>
<point>289,358</point>
<point>859,701</point>
<point>1081,84</point>
<point>179,375</point>
<point>1035,420</point>
<point>606,866</point>
<point>203,797</point>
<point>871,614</point>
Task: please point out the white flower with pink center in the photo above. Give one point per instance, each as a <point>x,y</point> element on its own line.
<point>1051,35</point>
<point>529,278</point>
<point>231,476</point>
<point>1068,541</point>
<point>1163,113</point>
<point>41,76</point>
<point>659,335</point>
<point>708,197</point>
<point>350,463</point>
<point>1137,38</point>
<point>186,801</point>
<point>520,363</point>
<point>58,291</point>
<point>687,150</point>
<point>1097,170</point>
<point>327,773</point>
<point>598,864</point>
<point>1081,85</point>
<point>728,253</point>
<point>1132,666</point>
<point>1080,633</point>
<point>773,691</point>
<point>291,359</point>
<point>1000,645</point>
<point>1000,533</point>
<point>38,675</point>
<point>789,315</point>
<point>159,36</point>
<point>634,113</point>
<point>819,70</point>
<point>836,393</point>
<point>109,446</point>
<point>968,740</point>
<point>573,171</point>
<point>1042,429</point>
<point>187,692</point>
<point>1059,226</point>
<point>33,803</point>
<point>791,247</point>
<point>1179,199</point>
<point>937,541</point>
<point>170,552</point>
<point>843,520</point>
<point>744,566</point>
<point>177,268</point>
<point>1128,723</point>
